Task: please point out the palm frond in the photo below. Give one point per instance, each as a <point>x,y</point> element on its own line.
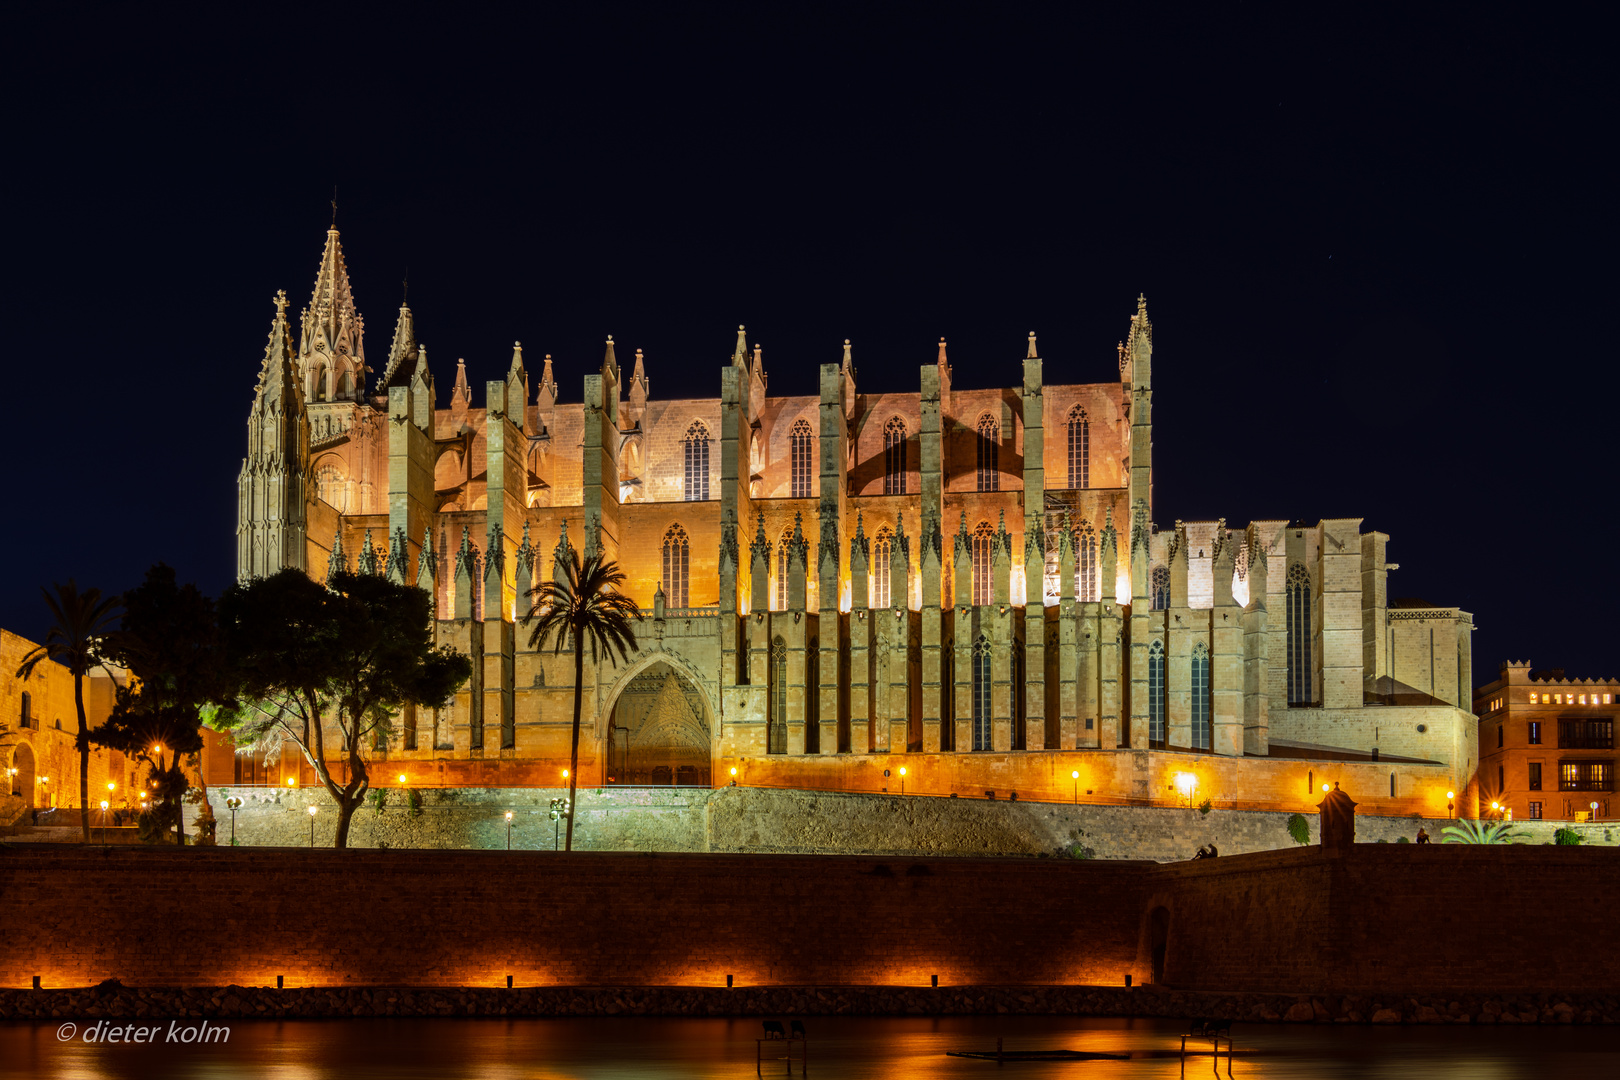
<point>585,604</point>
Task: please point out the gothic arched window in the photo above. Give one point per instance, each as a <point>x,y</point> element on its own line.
<point>332,486</point>
<point>1079,448</point>
<point>696,445</point>
<point>318,384</point>
<point>1300,681</point>
<point>989,451</point>
<point>27,716</point>
<point>984,539</point>
<point>801,456</point>
<point>1200,696</point>
<point>1156,732</point>
<point>1085,564</point>
<point>882,551</point>
<point>776,734</point>
<point>782,569</point>
<point>345,389</point>
<point>1161,588</point>
<point>981,695</point>
<point>677,556</point>
<point>894,457</point>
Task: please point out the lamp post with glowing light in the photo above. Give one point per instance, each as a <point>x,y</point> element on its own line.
<point>559,810</point>
<point>104,821</point>
<point>734,776</point>
<point>1076,776</point>
<point>1450,805</point>
<point>509,830</point>
<point>312,810</point>
<point>233,804</point>
<point>44,781</point>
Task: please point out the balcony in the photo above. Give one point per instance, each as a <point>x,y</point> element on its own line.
<point>1586,734</point>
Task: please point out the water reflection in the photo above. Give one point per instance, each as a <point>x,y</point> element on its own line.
<point>838,1048</point>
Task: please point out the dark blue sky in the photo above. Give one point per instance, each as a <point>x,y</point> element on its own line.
<point>1376,250</point>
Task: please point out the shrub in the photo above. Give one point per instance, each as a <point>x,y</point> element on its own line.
<point>413,803</point>
<point>379,799</point>
<point>1206,806</point>
<point>1299,828</point>
<point>1402,840</point>
<point>1566,836</point>
<point>1480,832</point>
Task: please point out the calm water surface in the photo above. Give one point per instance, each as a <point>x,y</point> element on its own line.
<point>839,1048</point>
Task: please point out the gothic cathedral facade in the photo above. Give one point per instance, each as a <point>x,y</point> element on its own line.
<point>965,583</point>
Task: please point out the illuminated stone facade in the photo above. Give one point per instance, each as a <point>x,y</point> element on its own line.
<point>967,583</point>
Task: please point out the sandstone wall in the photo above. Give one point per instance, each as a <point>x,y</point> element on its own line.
<point>797,822</point>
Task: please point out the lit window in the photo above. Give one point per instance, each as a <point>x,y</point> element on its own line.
<point>882,551</point>
<point>697,463</point>
<point>1200,697</point>
<point>981,694</point>
<point>1535,811</point>
<point>776,736</point>
<point>801,455</point>
<point>894,457</point>
<point>983,541</point>
<point>1300,681</point>
<point>1079,448</point>
<point>1535,733</point>
<point>1085,564</point>
<point>1156,733</point>
<point>676,564</point>
<point>989,453</point>
<point>782,569</point>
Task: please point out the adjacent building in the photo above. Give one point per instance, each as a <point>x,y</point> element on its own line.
<point>1547,744</point>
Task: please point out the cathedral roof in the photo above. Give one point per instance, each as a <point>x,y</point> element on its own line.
<point>402,355</point>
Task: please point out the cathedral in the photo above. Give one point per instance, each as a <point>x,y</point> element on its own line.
<point>963,589</point>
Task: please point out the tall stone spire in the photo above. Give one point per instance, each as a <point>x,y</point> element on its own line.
<point>461,392</point>
<point>546,397</point>
<point>427,567</point>
<point>402,354</point>
<point>739,356</point>
<point>1032,354</point>
<point>272,487</point>
<point>610,362</point>
<point>332,354</point>
<point>368,557</point>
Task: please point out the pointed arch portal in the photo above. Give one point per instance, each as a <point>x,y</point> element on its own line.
<point>659,729</point>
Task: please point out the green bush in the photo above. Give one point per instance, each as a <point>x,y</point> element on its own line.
<point>1206,806</point>
<point>1402,840</point>
<point>413,803</point>
<point>1299,828</point>
<point>1566,836</point>
<point>1467,831</point>
<point>379,799</point>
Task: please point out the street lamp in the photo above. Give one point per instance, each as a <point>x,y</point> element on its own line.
<point>1594,808</point>
<point>1076,776</point>
<point>312,826</point>
<point>233,803</point>
<point>559,810</point>
<point>902,779</point>
<point>509,830</point>
<point>104,820</point>
<point>401,779</point>
<point>1450,804</point>
<point>734,776</point>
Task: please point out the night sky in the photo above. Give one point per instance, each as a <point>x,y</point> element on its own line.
<point>1377,253</point>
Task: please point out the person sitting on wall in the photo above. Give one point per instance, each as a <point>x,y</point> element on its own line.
<point>1206,852</point>
<point>1423,836</point>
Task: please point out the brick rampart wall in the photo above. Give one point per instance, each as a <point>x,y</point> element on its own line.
<point>1402,920</point>
<point>470,918</point>
<point>1416,919</point>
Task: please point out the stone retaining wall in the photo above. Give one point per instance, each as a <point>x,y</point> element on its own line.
<point>118,1005</point>
<point>746,820</point>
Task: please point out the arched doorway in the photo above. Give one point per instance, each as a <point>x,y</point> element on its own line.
<point>658,731</point>
<point>23,782</point>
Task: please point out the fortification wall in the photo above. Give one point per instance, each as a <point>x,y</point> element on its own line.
<point>794,822</point>
<point>1386,917</point>
<point>470,918</point>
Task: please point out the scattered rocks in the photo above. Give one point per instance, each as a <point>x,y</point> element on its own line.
<point>327,1002</point>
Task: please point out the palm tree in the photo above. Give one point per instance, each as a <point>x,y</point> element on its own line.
<point>82,621</point>
<point>1481,832</point>
<point>585,606</point>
